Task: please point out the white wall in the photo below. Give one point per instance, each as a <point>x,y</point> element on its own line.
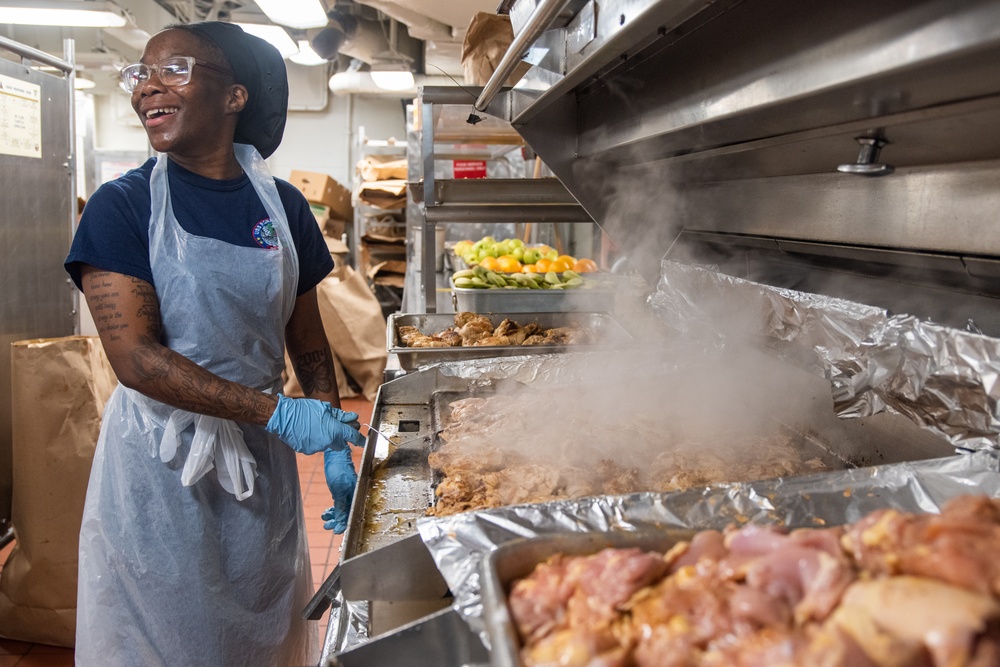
<point>324,141</point>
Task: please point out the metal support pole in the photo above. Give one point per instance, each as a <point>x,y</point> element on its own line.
<point>539,22</point>
<point>428,268</point>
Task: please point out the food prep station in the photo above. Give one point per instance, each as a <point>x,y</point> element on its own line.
<point>824,178</point>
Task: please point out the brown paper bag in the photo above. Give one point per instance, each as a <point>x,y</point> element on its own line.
<point>355,329</point>
<point>381,168</point>
<point>383,194</point>
<point>355,326</point>
<point>486,42</point>
<point>60,386</point>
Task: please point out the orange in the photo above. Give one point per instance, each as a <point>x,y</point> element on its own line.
<point>542,249</point>
<point>585,266</point>
<point>509,264</point>
<point>542,265</point>
<point>490,263</point>
<point>559,265</point>
<point>529,268</point>
<point>569,259</point>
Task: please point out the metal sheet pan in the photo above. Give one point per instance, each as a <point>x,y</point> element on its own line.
<point>518,558</point>
<point>461,545</point>
<point>605,328</point>
<point>395,490</point>
<point>594,300</point>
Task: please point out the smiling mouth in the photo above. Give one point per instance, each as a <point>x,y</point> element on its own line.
<point>160,113</point>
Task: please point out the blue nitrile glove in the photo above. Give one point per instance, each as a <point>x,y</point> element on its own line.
<point>309,426</point>
<point>341,479</point>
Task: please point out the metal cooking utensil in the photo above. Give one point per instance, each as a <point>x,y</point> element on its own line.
<point>392,444</point>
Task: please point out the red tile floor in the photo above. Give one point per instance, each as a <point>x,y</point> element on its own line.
<point>324,552</point>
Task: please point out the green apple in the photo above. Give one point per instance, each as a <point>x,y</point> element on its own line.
<point>518,253</point>
<point>530,256</point>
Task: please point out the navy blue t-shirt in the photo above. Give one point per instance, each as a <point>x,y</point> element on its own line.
<point>113,234</point>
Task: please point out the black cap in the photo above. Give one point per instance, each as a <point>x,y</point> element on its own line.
<point>260,68</point>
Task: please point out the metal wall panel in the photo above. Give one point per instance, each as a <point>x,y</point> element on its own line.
<point>36,216</point>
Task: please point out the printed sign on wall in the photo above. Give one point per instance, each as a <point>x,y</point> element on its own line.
<point>470,168</point>
<point>20,117</point>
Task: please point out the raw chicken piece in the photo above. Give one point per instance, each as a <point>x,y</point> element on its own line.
<point>884,616</point>
<point>959,546</point>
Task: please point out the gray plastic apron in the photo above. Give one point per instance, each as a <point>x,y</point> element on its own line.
<point>175,574</point>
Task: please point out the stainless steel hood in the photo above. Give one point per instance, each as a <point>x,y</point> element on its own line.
<point>713,132</point>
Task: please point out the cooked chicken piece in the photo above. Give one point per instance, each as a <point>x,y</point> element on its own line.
<point>408,334</point>
<point>452,337</point>
<point>614,479</point>
<point>493,341</point>
<point>429,341</point>
<point>510,330</point>
<point>568,335</point>
<point>532,329</point>
<point>537,339</point>
<point>463,318</point>
<point>474,330</point>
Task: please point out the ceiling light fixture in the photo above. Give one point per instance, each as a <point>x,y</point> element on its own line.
<point>391,70</point>
<point>300,14</point>
<point>306,55</point>
<point>392,73</point>
<point>274,35</point>
<point>77,13</point>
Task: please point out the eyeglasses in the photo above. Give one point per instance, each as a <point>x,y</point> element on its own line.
<point>174,71</point>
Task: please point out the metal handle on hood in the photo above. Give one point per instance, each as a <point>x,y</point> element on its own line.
<point>545,12</point>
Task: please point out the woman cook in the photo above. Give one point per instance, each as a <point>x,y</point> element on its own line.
<point>200,270</point>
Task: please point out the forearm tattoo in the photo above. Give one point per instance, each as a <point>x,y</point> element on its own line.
<point>158,371</point>
<point>315,371</point>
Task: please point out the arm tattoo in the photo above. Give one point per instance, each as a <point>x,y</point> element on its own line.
<point>185,385</point>
<point>103,299</point>
<point>152,368</point>
<point>315,371</point>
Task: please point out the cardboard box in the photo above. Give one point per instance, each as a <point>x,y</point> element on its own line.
<point>321,189</point>
<point>330,226</point>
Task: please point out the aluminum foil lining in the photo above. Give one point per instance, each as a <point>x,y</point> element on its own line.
<point>349,620</point>
<point>946,380</point>
<point>460,543</point>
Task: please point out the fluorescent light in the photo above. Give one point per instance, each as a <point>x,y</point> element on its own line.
<point>88,14</point>
<point>273,34</point>
<point>306,55</point>
<point>300,14</point>
<point>393,80</point>
<point>391,71</point>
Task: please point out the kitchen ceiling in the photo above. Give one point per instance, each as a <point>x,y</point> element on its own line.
<point>152,15</point>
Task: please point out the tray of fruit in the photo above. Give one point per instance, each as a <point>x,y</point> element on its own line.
<point>513,255</point>
<point>481,290</point>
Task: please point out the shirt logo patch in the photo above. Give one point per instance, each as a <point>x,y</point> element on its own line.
<point>264,235</point>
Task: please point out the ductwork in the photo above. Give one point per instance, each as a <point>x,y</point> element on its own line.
<point>418,25</point>
<point>360,38</point>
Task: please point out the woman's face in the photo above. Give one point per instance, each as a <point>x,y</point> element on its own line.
<point>187,119</point>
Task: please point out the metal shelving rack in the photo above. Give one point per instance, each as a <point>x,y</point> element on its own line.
<point>443,111</point>
<point>373,147</point>
<point>366,147</point>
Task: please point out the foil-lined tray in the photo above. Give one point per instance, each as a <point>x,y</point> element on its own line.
<point>946,380</point>
<point>460,545</point>
<point>605,329</point>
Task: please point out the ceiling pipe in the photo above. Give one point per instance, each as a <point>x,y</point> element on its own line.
<point>349,35</point>
<point>418,25</point>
